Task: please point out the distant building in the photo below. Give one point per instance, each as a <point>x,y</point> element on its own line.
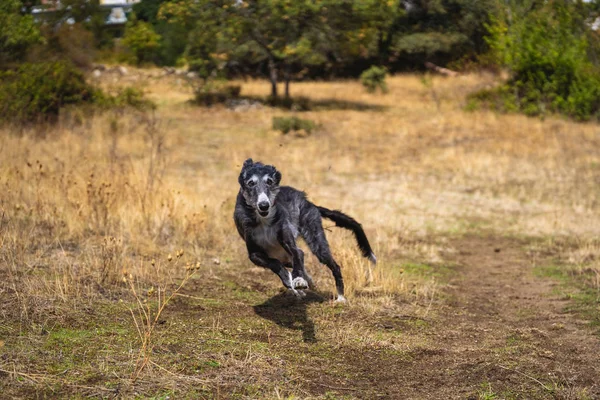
<point>116,10</point>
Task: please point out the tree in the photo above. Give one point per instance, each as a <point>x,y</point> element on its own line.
<point>546,45</point>
<point>18,31</point>
<point>173,33</point>
<point>438,30</point>
<point>141,39</point>
<point>280,33</point>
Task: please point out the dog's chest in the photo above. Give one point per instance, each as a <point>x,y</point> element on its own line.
<point>265,236</point>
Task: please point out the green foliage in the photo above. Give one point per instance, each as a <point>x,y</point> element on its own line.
<point>545,49</point>
<point>141,39</point>
<point>288,124</point>
<point>38,92</point>
<point>173,32</point>
<point>125,97</point>
<point>18,31</point>
<point>429,44</point>
<point>215,92</point>
<point>374,78</point>
<point>440,31</point>
<point>280,33</point>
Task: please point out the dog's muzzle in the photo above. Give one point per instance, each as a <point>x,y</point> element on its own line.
<point>263,208</point>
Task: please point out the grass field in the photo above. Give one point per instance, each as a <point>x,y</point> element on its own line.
<point>122,274</point>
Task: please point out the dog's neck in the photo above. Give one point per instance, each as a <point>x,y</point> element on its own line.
<point>267,220</point>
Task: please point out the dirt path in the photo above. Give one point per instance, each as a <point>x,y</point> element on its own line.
<point>502,333</point>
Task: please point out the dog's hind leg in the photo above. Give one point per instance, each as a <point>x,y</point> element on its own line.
<point>314,236</point>
<point>325,257</point>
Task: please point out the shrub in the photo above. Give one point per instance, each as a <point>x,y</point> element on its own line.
<point>374,78</point>
<point>18,31</point>
<point>141,39</point>
<point>546,52</point>
<point>287,124</point>
<point>131,97</point>
<point>210,93</point>
<point>37,92</point>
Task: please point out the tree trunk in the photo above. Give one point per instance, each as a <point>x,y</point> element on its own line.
<point>287,81</point>
<point>273,77</point>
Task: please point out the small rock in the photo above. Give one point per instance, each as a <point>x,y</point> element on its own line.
<point>122,70</point>
<point>216,261</point>
<point>192,75</point>
<point>97,73</point>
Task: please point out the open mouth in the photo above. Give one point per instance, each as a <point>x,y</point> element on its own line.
<point>263,213</point>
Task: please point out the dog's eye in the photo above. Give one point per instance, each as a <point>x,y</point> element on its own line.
<point>251,183</point>
<point>269,181</point>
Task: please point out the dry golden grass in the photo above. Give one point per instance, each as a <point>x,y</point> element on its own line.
<point>114,195</point>
<point>416,166</point>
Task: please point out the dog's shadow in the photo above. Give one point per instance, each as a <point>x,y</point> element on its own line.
<point>290,312</point>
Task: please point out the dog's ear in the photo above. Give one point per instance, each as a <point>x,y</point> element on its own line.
<point>247,164</point>
<point>277,176</point>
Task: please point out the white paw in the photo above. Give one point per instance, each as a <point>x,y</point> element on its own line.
<point>299,283</point>
<point>299,294</point>
<point>341,299</point>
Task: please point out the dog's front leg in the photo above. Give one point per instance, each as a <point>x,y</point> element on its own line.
<point>287,241</point>
<point>262,260</point>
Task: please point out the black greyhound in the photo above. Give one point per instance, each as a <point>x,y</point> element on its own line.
<point>270,217</point>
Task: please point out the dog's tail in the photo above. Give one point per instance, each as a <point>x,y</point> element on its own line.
<point>345,221</point>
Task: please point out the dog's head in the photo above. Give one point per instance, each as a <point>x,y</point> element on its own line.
<point>260,185</point>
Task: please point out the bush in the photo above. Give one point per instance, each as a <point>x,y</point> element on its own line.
<point>18,31</point>
<point>287,124</point>
<point>374,78</point>
<point>124,97</point>
<point>211,93</point>
<point>36,92</point>
<point>546,52</point>
<point>141,39</point>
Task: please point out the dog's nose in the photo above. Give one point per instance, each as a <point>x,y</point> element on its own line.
<point>263,206</point>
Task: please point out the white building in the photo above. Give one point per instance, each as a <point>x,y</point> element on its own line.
<point>116,10</point>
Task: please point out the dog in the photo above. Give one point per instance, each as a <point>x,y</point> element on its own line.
<point>270,218</point>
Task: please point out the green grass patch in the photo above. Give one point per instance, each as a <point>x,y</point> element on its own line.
<point>288,124</point>
<point>441,272</point>
<point>575,287</point>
